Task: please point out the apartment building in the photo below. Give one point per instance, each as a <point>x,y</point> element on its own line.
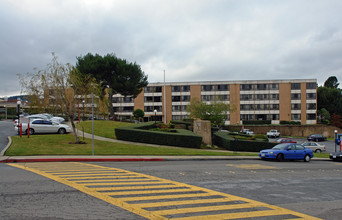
<point>275,100</point>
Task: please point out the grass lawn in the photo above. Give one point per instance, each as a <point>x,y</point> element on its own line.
<point>60,145</point>
<point>101,128</point>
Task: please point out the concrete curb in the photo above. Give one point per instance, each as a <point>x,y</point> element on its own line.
<point>2,153</point>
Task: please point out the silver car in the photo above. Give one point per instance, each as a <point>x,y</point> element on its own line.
<point>314,146</point>
<point>44,126</point>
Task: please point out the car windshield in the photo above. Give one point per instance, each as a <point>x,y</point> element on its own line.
<point>280,147</point>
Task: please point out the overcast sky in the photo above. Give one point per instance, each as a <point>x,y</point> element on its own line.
<point>192,40</point>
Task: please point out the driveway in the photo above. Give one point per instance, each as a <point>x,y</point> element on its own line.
<point>6,129</point>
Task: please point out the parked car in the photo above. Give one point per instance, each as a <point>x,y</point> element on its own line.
<point>315,147</point>
<point>31,117</point>
<point>273,134</point>
<point>336,156</point>
<point>247,131</point>
<point>44,126</point>
<point>285,140</point>
<point>287,151</point>
<point>54,118</point>
<point>317,137</point>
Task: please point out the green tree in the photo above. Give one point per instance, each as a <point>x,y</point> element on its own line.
<point>116,75</point>
<point>216,113</point>
<point>138,114</point>
<point>331,82</point>
<point>324,114</point>
<point>329,99</point>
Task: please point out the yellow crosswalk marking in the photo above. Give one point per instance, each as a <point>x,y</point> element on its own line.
<point>157,198</point>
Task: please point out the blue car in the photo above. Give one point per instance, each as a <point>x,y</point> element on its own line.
<point>287,151</point>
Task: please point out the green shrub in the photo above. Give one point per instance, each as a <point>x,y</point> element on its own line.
<point>233,143</point>
<point>256,122</point>
<point>142,133</point>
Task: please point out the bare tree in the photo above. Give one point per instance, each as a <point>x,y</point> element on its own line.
<point>56,87</point>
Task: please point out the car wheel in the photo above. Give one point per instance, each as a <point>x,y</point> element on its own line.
<point>61,131</point>
<point>31,131</point>
<point>280,157</point>
<point>318,151</point>
<point>307,158</point>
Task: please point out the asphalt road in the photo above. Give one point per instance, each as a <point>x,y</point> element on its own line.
<point>6,129</point>
<point>310,188</point>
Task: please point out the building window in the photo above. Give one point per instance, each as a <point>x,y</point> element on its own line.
<point>176,98</point>
<point>116,100</point>
<point>274,97</point>
<point>274,86</point>
<point>150,89</point>
<point>128,100</point>
<point>261,87</point>
<point>222,87</point>
<point>274,107</point>
<point>246,97</point>
<point>207,88</point>
<point>311,85</point>
<point>295,116</point>
<point>246,117</point>
<point>295,96</point>
<point>176,89</point>
<point>148,98</point>
<point>261,97</point>
<point>152,108</point>
<point>246,87</point>
<point>295,86</point>
<point>311,116</point>
<point>185,88</point>
<point>310,95</point>
<point>295,106</point>
<point>311,106</point>
<point>247,107</point>
<point>179,108</point>
<point>128,109</point>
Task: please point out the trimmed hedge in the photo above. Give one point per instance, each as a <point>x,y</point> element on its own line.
<point>289,122</point>
<point>256,122</point>
<point>141,133</point>
<point>224,140</point>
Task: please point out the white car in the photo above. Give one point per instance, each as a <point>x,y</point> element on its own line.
<point>247,131</point>
<point>29,117</point>
<point>44,126</point>
<point>314,146</point>
<point>53,118</point>
<point>273,134</point>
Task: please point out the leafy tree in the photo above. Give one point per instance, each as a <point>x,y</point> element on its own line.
<point>329,99</point>
<point>54,87</point>
<point>324,114</point>
<point>215,113</point>
<point>114,74</point>
<point>138,114</point>
<point>331,82</point>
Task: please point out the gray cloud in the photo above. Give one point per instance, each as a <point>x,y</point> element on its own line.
<point>191,40</point>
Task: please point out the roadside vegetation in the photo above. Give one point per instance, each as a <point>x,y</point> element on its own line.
<point>60,145</point>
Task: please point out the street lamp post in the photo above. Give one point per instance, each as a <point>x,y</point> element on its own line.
<point>155,116</point>
<point>5,111</point>
<point>18,111</point>
<point>335,139</point>
<point>83,109</point>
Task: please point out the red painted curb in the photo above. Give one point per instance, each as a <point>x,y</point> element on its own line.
<point>79,160</point>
